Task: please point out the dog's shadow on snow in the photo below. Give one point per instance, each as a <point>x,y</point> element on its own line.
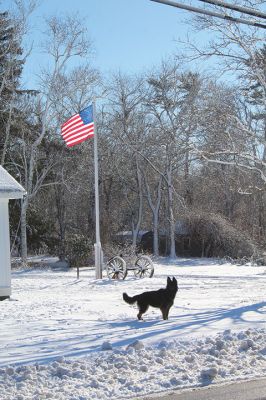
<point>189,322</point>
<point>135,323</point>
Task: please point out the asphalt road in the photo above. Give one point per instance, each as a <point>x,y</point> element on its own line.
<point>245,390</point>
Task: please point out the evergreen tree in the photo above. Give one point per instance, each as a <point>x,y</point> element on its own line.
<point>11,65</point>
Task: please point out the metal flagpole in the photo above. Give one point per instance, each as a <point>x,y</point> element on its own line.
<point>97,245</point>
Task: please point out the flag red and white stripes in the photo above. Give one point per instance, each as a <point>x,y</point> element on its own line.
<point>79,127</point>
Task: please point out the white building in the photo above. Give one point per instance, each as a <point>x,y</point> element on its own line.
<point>9,189</point>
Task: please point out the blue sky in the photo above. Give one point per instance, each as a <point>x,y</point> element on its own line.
<point>127,35</point>
<point>130,35</point>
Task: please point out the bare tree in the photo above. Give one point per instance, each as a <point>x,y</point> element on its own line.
<point>170,103</point>
<point>66,40</point>
<point>154,198</point>
<point>126,96</point>
<point>239,52</point>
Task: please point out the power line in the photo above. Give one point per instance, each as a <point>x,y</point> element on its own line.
<point>235,7</point>
<point>211,13</point>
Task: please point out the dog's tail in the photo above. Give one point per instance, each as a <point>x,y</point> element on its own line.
<point>128,299</point>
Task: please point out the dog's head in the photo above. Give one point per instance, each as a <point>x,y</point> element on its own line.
<point>172,284</point>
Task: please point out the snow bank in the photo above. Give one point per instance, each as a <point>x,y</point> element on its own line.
<point>139,370</point>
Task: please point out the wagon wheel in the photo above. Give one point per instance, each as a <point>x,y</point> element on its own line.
<point>116,268</point>
<point>144,267</point>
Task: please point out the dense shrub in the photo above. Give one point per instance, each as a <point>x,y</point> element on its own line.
<point>218,237</point>
<point>78,249</point>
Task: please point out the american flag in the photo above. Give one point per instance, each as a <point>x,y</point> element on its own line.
<point>79,127</point>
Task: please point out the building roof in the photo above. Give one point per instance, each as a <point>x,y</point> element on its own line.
<point>9,187</point>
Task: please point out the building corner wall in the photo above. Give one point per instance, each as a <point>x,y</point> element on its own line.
<point>5,262</point>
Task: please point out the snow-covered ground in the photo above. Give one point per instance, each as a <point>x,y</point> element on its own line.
<point>63,338</point>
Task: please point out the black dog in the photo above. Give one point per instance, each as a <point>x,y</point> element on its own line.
<point>162,298</point>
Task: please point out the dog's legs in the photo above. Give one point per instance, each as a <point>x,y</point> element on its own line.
<point>165,311</point>
<point>142,309</point>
